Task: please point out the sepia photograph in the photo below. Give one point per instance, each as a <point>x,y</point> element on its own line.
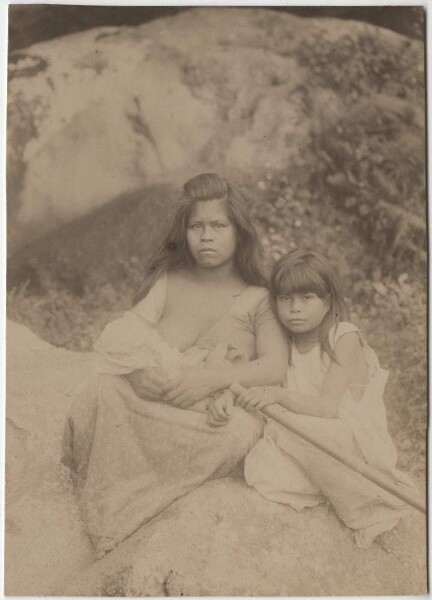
<point>216,301</point>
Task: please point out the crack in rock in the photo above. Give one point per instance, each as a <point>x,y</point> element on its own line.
<point>141,127</point>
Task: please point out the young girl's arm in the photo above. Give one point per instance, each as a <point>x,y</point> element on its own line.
<point>268,369</point>
<point>350,372</point>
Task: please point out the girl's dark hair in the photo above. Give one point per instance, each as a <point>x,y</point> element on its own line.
<point>301,272</point>
<point>173,253</point>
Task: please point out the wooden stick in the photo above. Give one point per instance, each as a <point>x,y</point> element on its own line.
<point>282,416</point>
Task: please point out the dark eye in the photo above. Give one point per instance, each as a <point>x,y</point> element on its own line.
<point>309,296</point>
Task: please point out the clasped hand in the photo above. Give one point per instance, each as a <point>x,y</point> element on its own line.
<point>190,387</point>
<point>194,385</point>
<point>254,398</point>
<point>182,391</point>
<point>219,410</point>
<point>150,383</point>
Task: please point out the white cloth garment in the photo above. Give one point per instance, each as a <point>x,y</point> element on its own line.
<point>286,469</point>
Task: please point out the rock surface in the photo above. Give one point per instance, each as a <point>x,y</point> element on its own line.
<point>222,539</point>
<point>96,114</point>
<point>44,540</point>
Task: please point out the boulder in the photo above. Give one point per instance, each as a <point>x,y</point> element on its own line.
<point>221,539</point>
<point>97,114</point>
<point>44,538</point>
<point>225,540</point>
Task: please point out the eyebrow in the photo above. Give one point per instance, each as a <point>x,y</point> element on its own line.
<point>221,220</point>
<point>297,291</point>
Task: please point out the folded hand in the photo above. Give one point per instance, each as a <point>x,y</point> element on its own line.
<point>255,398</point>
<point>190,387</point>
<point>150,382</point>
<point>219,411</point>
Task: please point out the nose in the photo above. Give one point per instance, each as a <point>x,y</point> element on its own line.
<point>295,305</point>
<point>206,234</point>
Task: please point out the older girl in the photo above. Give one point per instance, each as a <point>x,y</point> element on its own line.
<point>334,391</point>
<point>130,438</point>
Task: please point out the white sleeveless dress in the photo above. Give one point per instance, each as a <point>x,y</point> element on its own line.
<point>284,468</point>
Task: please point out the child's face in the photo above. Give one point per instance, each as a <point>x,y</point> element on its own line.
<point>302,312</point>
<point>211,236</point>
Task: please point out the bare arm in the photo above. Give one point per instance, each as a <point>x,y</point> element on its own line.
<point>270,366</point>
<point>350,372</point>
<point>268,369</point>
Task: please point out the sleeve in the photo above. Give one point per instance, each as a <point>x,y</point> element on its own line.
<point>131,341</point>
<point>345,327</point>
<point>255,310</point>
<point>336,332</point>
<point>263,312</point>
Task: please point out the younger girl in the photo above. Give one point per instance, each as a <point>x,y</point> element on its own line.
<point>334,388</point>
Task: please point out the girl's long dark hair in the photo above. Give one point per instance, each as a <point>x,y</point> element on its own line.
<point>301,272</point>
<point>173,253</point>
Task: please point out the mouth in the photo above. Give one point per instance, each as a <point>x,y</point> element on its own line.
<point>207,250</point>
<point>294,321</point>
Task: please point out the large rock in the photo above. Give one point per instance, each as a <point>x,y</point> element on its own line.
<point>222,539</point>
<point>44,539</point>
<point>100,113</point>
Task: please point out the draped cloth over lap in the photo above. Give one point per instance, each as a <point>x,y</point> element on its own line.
<point>133,457</point>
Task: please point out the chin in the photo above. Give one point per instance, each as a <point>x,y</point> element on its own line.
<point>210,261</point>
<point>208,264</point>
<point>297,328</point>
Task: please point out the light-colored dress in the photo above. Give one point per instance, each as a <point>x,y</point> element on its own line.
<point>284,468</point>
<point>133,457</point>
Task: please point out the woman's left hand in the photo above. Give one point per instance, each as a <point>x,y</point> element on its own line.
<point>254,398</point>
<point>190,387</point>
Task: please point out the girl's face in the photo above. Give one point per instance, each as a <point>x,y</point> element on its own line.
<point>211,236</point>
<point>302,312</point>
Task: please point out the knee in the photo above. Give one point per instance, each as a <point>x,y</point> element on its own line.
<point>106,386</point>
<point>90,396</point>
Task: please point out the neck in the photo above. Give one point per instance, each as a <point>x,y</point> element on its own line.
<point>306,341</point>
<point>223,273</point>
